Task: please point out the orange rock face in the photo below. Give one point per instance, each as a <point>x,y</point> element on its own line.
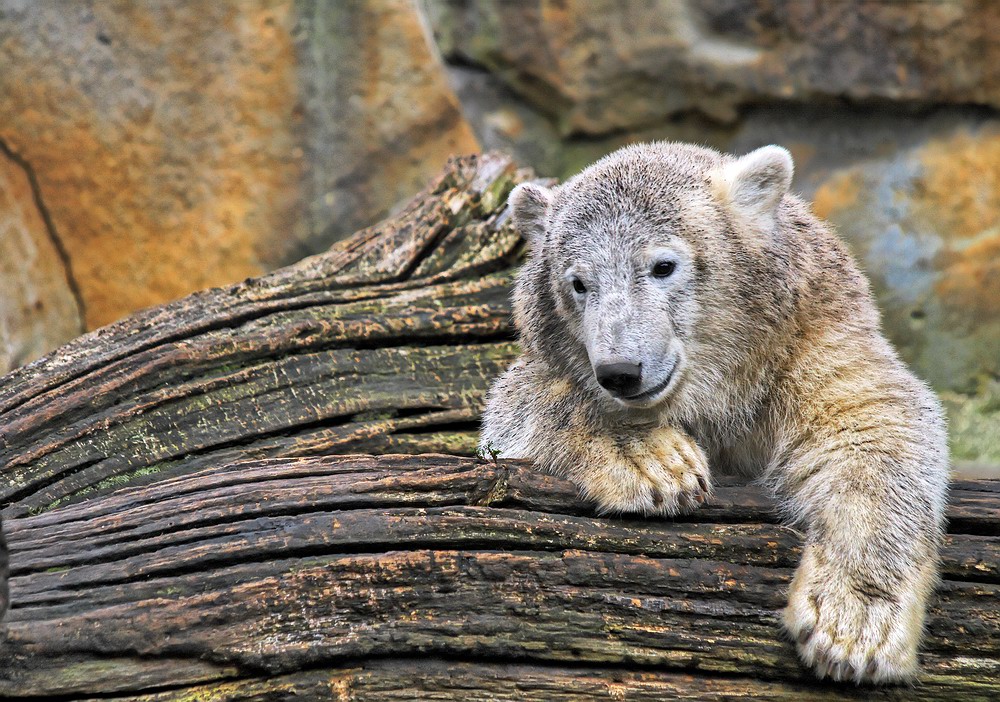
<point>37,307</point>
<point>183,145</point>
<point>925,221</point>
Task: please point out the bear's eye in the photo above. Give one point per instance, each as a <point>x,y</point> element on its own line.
<point>663,269</point>
<point>579,286</point>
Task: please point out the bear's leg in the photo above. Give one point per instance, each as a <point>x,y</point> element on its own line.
<point>533,413</point>
<point>866,475</point>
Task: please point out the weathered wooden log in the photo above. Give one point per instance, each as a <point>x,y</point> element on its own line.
<point>401,577</point>
<point>385,343</point>
<point>176,532</point>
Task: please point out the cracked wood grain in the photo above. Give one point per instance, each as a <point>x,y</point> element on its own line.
<point>385,343</point>
<point>241,577</point>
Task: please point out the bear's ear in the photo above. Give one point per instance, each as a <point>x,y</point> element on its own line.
<point>754,184</point>
<point>528,203</point>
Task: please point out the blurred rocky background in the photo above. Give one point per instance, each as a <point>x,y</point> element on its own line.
<point>155,148</point>
<point>149,149</point>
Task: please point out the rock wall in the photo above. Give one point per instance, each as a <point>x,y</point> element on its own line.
<point>182,145</point>
<point>599,66</point>
<point>38,305</point>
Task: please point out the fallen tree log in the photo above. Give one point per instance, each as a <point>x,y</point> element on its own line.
<point>385,343</point>
<point>176,532</point>
<point>400,577</point>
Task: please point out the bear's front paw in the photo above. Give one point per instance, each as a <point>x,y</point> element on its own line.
<point>662,472</point>
<point>851,630</point>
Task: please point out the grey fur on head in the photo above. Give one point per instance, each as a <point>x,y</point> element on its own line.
<point>528,203</point>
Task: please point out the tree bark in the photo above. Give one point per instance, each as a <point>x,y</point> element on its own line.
<point>443,577</point>
<point>178,530</point>
<point>385,343</point>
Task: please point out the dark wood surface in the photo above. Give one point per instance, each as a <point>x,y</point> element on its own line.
<point>178,530</point>
<point>401,577</point>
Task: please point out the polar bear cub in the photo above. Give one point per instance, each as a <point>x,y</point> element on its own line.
<point>681,309</point>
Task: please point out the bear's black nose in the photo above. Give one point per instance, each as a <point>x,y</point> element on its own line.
<point>622,379</point>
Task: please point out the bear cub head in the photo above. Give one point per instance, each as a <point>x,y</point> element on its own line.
<point>642,268</point>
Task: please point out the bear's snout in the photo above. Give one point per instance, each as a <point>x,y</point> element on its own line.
<point>622,378</point>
